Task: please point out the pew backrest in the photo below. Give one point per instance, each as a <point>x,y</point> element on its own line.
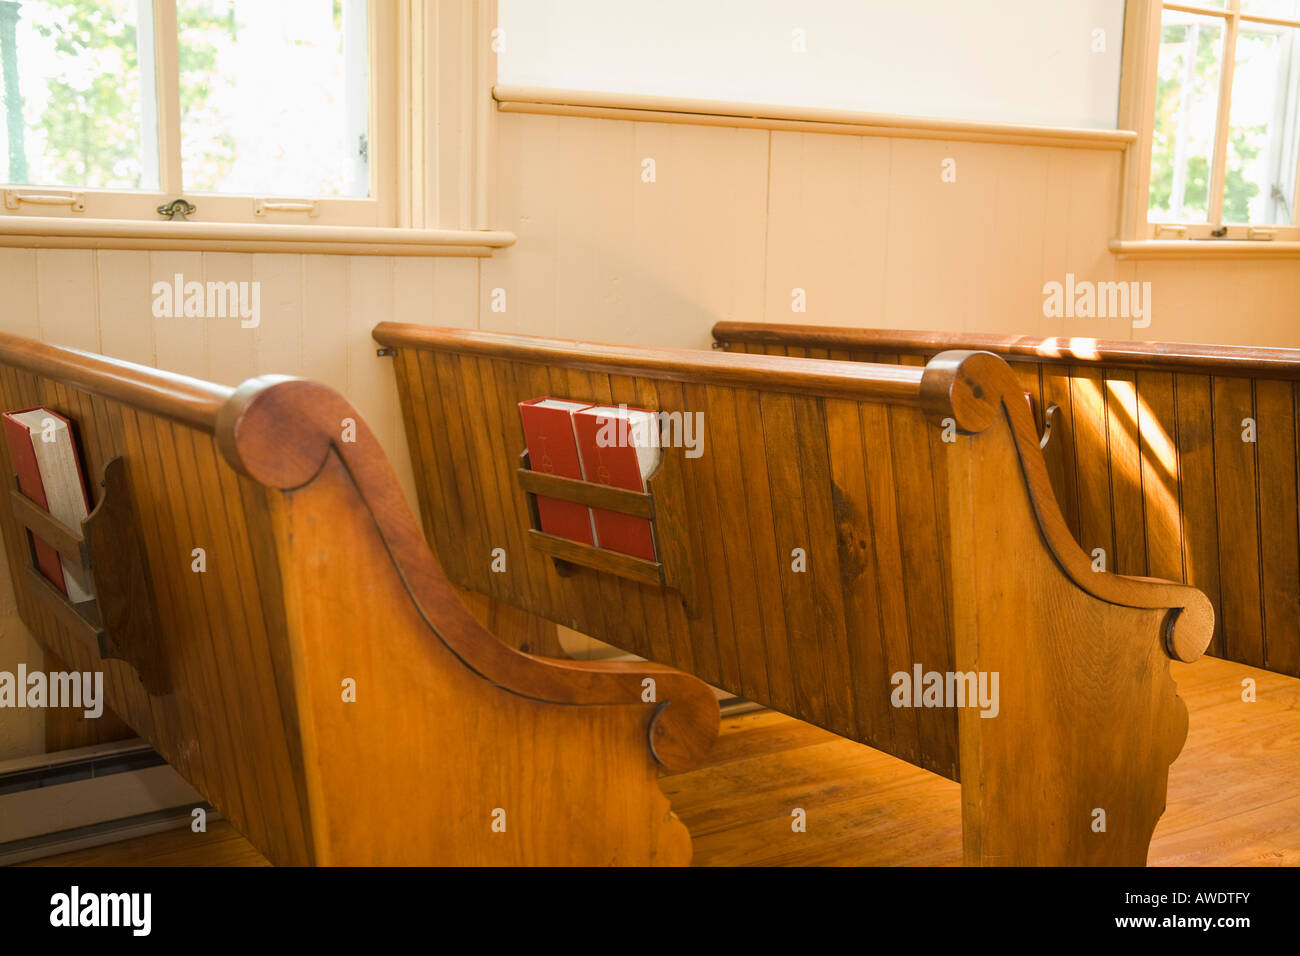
<point>1173,460</point>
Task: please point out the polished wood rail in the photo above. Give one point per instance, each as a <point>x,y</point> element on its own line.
<point>837,540</point>
<point>1246,361</point>
<point>1153,457</point>
<point>325,687</point>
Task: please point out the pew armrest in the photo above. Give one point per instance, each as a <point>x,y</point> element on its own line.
<point>454,747</point>
<point>974,389</point>
<point>280,431</point>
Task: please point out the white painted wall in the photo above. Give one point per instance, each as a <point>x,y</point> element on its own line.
<point>1013,61</point>
<point>738,218</point>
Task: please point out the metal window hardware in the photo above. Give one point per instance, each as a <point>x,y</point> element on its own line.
<point>177,210</point>
<point>262,206</point>
<point>16,197</point>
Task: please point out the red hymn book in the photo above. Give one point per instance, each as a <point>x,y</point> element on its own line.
<point>620,447</point>
<point>553,449</point>
<point>49,475</point>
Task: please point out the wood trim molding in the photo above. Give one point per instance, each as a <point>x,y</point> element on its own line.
<point>1248,249</point>
<point>1137,97</point>
<point>672,109</point>
<point>446,68</point>
<point>1245,361</point>
<point>251,431</point>
<point>897,384</point>
<point>50,232</point>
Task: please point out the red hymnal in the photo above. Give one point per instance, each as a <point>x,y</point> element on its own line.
<point>620,447</point>
<point>553,448</point>
<point>49,475</point>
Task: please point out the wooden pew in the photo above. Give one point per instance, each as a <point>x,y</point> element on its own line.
<point>1147,458</point>
<point>314,579</point>
<point>948,555</point>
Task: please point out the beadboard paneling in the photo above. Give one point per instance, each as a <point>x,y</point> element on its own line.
<point>316,313</point>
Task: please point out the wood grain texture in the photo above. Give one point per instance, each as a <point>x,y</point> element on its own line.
<point>314,571</point>
<point>1232,360</point>
<point>517,628</point>
<point>1231,795</point>
<point>860,529</point>
<point>1150,461</point>
<point>1085,664</point>
<point>678,365</point>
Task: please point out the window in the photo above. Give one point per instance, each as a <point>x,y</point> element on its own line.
<point>250,110</point>
<point>1225,148</point>
<point>1016,61</point>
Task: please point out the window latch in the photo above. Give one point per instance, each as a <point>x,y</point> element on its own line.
<point>262,206</point>
<point>74,201</point>
<point>177,210</point>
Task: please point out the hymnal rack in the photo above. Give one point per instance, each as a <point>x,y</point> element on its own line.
<point>673,567</point>
<point>119,622</point>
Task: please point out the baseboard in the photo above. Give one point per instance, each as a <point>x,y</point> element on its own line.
<point>50,799</point>
<point>100,834</point>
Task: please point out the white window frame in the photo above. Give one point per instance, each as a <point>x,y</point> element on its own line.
<point>376,210</point>
<point>1140,105</point>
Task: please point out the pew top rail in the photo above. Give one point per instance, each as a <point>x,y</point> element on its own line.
<point>883,383</point>
<point>1232,360</point>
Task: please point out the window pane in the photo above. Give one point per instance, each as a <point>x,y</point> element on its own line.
<point>1187,98</point>
<point>1259,185</point>
<point>76,110</point>
<point>1272,8</point>
<point>274,97</point>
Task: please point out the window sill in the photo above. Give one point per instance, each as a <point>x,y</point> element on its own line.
<point>48,232</point>
<point>671,109</point>
<point>1242,249</point>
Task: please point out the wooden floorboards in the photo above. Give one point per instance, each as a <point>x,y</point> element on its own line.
<point>221,845</point>
<point>1234,794</point>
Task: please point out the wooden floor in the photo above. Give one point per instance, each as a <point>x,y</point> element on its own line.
<point>1234,794</point>
<point>221,845</point>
